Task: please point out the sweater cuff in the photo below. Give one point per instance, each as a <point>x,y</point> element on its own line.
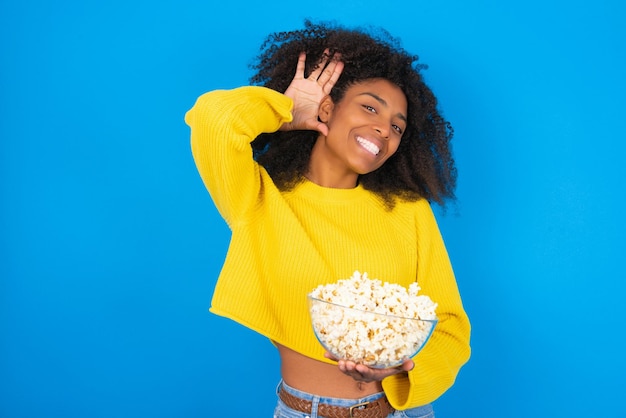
<point>261,110</point>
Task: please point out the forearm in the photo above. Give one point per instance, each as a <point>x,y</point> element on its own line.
<point>223,123</point>
<point>438,364</point>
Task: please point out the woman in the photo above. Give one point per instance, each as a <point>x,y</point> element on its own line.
<point>319,174</point>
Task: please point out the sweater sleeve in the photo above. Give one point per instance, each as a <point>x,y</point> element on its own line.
<point>223,123</point>
<point>439,362</point>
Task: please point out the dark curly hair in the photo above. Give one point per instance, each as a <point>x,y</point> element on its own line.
<point>422,167</point>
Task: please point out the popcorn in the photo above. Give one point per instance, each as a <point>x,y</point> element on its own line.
<point>385,325</point>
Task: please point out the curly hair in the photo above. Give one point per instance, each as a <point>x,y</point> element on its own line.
<point>422,167</point>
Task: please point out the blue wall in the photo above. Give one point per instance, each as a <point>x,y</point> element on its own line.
<point>110,245</point>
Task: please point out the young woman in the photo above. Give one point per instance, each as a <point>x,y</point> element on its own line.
<point>328,164</point>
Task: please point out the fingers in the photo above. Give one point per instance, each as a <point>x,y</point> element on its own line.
<point>322,128</point>
<point>301,65</point>
<point>315,74</point>
<point>350,369</point>
<point>363,373</point>
<point>333,71</point>
<point>407,366</point>
<point>327,73</point>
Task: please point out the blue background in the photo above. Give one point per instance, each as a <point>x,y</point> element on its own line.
<point>110,245</point>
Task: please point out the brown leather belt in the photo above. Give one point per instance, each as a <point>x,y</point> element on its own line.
<point>380,408</point>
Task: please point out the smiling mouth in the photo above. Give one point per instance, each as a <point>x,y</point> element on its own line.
<point>368,145</point>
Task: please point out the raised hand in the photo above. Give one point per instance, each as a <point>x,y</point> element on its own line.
<point>308,93</point>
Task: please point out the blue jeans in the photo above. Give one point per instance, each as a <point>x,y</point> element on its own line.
<point>283,411</point>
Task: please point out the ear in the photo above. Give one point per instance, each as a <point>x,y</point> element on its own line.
<point>326,109</point>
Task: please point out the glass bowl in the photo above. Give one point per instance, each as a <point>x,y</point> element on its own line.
<point>374,339</point>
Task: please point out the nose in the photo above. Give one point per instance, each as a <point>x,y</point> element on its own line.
<point>383,132</point>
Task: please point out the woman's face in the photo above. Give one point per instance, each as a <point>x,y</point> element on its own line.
<point>364,130</point>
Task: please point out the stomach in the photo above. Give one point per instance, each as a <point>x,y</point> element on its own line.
<point>319,378</point>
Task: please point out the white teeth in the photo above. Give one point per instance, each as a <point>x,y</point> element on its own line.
<point>370,146</point>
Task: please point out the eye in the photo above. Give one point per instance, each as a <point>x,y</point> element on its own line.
<point>369,108</point>
<point>398,129</point>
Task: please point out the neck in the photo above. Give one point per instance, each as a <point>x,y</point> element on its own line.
<point>325,179</point>
<point>324,173</point>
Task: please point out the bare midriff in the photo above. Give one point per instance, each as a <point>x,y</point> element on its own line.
<point>323,379</point>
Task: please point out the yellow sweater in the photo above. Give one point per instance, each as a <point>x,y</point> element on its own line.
<point>285,244</point>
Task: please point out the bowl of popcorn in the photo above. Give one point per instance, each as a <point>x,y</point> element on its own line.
<point>371,322</point>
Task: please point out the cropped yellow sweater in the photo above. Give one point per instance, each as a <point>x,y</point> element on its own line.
<point>286,243</point>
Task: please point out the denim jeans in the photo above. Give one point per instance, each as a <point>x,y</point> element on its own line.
<point>283,411</point>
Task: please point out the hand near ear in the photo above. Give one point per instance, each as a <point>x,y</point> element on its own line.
<point>308,93</point>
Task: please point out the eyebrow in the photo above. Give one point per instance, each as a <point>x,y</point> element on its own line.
<point>382,102</point>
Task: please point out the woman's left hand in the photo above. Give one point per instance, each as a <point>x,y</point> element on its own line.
<point>362,373</point>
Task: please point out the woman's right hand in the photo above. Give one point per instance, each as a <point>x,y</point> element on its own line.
<point>308,93</point>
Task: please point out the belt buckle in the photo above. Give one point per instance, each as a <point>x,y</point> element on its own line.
<point>357,406</point>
